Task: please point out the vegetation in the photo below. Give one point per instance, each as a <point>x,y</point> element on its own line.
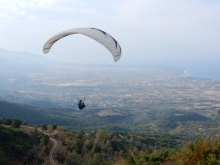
<point>189,125</point>
<point>18,146</point>
<point>203,151</point>
<point>108,148</point>
<point>13,122</point>
<point>25,144</point>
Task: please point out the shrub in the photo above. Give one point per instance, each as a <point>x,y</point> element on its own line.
<point>203,152</point>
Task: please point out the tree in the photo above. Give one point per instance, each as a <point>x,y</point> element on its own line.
<point>61,152</point>
<point>16,123</point>
<point>35,131</point>
<point>50,129</point>
<point>73,158</point>
<point>71,144</point>
<point>120,162</point>
<point>5,135</point>
<point>54,126</point>
<point>18,149</point>
<point>6,121</point>
<point>24,123</point>
<point>97,159</point>
<point>88,144</point>
<point>200,152</point>
<point>103,136</point>
<point>135,150</point>
<point>130,159</point>
<point>96,148</point>
<point>44,127</point>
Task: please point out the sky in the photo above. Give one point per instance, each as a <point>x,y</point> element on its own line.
<point>147,30</point>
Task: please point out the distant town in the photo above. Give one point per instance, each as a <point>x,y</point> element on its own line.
<point>119,88</point>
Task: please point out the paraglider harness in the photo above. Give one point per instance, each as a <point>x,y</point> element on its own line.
<point>81,104</point>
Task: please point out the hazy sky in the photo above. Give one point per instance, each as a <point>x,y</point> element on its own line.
<point>147,30</point>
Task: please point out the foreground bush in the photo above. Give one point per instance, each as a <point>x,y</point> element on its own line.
<point>202,152</point>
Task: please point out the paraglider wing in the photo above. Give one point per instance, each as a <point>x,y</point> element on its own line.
<point>98,35</point>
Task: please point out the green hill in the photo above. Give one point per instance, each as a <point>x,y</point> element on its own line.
<point>113,120</point>
<point>171,118</point>
<point>35,115</point>
<point>88,118</point>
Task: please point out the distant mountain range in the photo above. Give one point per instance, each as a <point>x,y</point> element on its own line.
<point>12,60</point>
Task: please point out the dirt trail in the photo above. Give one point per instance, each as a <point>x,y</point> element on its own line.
<point>52,150</point>
<point>52,161</point>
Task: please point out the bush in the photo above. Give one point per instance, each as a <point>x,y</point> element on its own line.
<point>203,151</point>
<point>16,123</point>
<point>6,121</point>
<point>73,158</point>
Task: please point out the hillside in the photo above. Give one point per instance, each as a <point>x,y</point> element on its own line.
<point>34,115</point>
<point>188,124</point>
<point>17,146</point>
<point>26,145</point>
<point>170,119</point>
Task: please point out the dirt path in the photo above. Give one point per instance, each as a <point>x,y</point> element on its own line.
<point>52,150</point>
<point>51,139</point>
<point>54,146</point>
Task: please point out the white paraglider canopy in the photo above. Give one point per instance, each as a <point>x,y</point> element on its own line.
<point>98,35</point>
